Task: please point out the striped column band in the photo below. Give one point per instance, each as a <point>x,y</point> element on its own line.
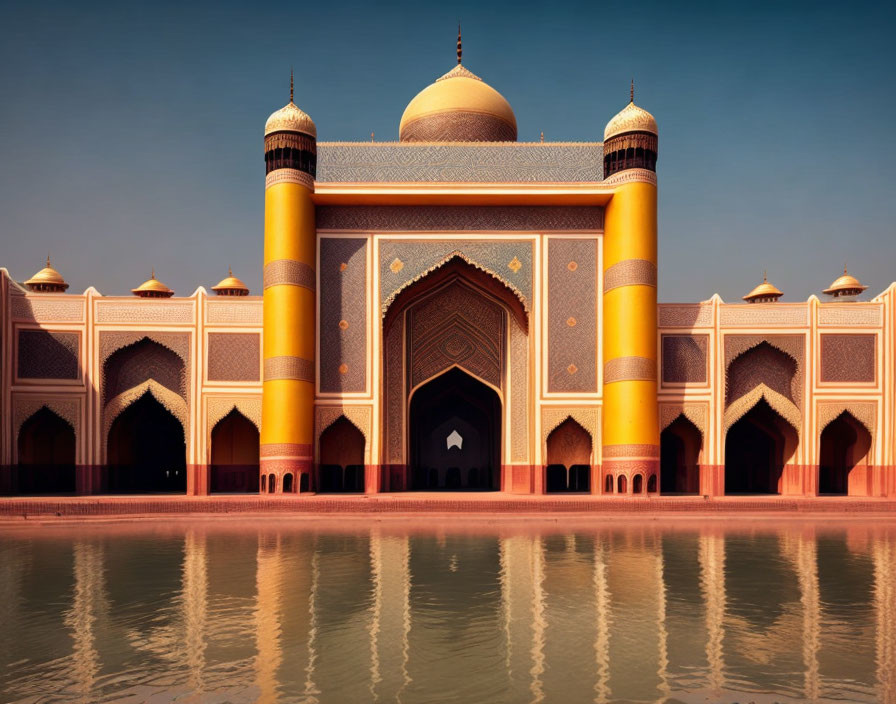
<point>630,272</point>
<point>631,451</point>
<point>629,369</point>
<point>288,367</point>
<point>289,176</point>
<point>289,272</point>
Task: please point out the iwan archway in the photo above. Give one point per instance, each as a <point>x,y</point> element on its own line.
<point>445,343</point>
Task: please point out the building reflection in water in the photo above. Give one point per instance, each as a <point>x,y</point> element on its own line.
<point>634,614</point>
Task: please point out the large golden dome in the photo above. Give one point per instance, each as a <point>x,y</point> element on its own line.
<point>631,119</point>
<point>458,107</point>
<point>47,280</point>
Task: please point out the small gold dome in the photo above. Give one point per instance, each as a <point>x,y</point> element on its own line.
<point>47,280</point>
<point>290,118</point>
<point>631,119</point>
<point>845,285</point>
<point>458,107</point>
<point>152,288</point>
<point>231,286</point>
<point>763,293</point>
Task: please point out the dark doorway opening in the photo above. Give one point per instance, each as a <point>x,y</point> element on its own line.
<point>146,450</point>
<point>569,458</point>
<point>756,448</point>
<point>234,466</point>
<point>341,458</point>
<point>46,455</point>
<point>844,446</point>
<point>679,456</point>
<point>455,431</point>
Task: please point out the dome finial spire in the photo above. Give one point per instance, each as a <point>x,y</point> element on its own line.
<point>632,92</point>
<point>48,258</point>
<point>765,276</point>
<point>291,85</point>
<point>459,50</point>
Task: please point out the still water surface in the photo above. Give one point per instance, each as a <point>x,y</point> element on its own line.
<point>288,612</point>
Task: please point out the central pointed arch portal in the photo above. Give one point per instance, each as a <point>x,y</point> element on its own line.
<point>445,342</point>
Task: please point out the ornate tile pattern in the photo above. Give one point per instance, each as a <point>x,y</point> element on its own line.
<point>630,272</point>
<point>572,315</point>
<point>765,315</point>
<point>685,315</point>
<point>588,418</point>
<point>863,411</point>
<point>859,314</point>
<point>684,359</point>
<point>775,361</point>
<point>176,342</point>
<point>394,392</point>
<point>46,310</point>
<point>131,366</point>
<point>235,312</point>
<point>694,412</point>
<point>848,358</point>
<point>233,356</point>
<point>422,256</point>
<point>529,218</point>
<point>629,369</point>
<point>343,314</point>
<point>519,393</point>
<point>43,354</point>
<point>458,127</point>
<point>148,310</point>
<point>457,326</point>
<point>379,162</point>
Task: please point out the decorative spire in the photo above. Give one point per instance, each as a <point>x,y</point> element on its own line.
<point>765,276</point>
<point>632,92</point>
<point>230,271</point>
<point>542,135</point>
<point>48,260</point>
<point>291,85</point>
<point>459,50</point>
<point>153,273</point>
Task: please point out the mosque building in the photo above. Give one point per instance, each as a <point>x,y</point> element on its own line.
<point>454,311</point>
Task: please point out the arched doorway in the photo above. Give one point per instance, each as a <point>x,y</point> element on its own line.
<point>455,433</point>
<point>146,451</point>
<point>845,444</point>
<point>680,445</point>
<point>569,458</point>
<point>756,449</point>
<point>341,466</point>
<point>46,455</point>
<point>234,455</point>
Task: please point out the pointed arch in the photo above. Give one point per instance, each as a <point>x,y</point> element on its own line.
<point>569,452</point>
<point>234,455</point>
<point>757,446</point>
<point>341,457</point>
<point>167,398</point>
<point>680,445</point>
<point>743,405</point>
<point>46,454</point>
<point>844,446</point>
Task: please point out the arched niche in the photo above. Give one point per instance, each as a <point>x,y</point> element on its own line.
<point>680,446</point>
<point>569,451</point>
<point>341,466</point>
<point>234,455</point>
<point>46,452</point>
<point>843,458</point>
<point>757,447</point>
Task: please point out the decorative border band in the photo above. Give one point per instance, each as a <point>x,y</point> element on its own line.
<point>629,369</point>
<point>289,367</point>
<point>289,176</point>
<point>630,451</point>
<point>630,467</point>
<point>632,176</point>
<point>285,449</point>
<point>282,466</point>
<point>630,272</point>
<point>288,272</point>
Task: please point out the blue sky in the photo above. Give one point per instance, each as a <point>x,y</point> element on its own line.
<point>131,133</point>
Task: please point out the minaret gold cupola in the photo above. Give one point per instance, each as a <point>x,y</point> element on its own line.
<point>47,280</point>
<point>630,139</point>
<point>290,139</point>
<point>231,286</point>
<point>152,288</point>
<point>764,292</point>
<point>845,287</point>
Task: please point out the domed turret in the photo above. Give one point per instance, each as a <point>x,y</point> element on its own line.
<point>290,139</point>
<point>458,107</point>
<point>630,139</point>
<point>47,280</point>
<point>231,286</point>
<point>845,287</point>
<point>152,288</point>
<point>763,293</point>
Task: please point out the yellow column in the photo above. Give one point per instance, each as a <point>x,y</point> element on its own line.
<point>630,434</point>
<point>287,422</point>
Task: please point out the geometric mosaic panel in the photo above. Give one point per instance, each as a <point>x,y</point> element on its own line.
<point>684,359</point>
<point>846,358</point>
<point>233,356</point>
<point>44,354</point>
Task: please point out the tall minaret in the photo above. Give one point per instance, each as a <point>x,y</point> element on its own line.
<point>630,421</point>
<point>287,420</point>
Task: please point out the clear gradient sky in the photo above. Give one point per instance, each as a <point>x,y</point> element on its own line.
<point>131,133</point>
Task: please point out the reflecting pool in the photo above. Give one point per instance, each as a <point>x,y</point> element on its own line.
<point>449,611</point>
